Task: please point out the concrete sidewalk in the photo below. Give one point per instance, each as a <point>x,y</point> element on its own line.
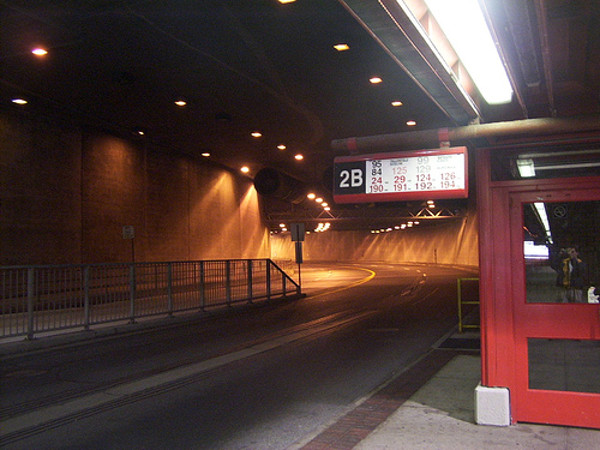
<point>439,414</point>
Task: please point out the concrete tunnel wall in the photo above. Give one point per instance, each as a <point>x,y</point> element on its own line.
<point>454,242</point>
<point>65,195</point>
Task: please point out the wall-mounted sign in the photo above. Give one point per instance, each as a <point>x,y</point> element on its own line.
<point>391,177</point>
<point>128,232</point>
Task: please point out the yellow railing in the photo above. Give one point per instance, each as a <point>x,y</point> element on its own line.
<point>461,302</point>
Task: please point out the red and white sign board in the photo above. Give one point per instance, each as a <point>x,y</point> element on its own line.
<point>391,177</point>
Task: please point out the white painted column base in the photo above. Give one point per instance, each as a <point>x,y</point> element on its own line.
<point>492,406</point>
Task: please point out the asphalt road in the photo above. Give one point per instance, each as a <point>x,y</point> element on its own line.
<point>267,377</point>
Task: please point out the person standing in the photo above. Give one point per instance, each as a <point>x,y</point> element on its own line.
<point>573,277</point>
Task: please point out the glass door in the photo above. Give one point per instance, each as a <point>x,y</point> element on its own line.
<point>555,264</point>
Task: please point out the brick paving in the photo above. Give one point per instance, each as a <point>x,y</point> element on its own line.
<point>361,421</point>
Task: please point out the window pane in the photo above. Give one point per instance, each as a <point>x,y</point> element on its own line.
<point>564,365</point>
<point>561,244</point>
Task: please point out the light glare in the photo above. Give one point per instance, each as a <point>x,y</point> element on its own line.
<point>341,47</point>
<point>464,25</point>
<point>38,51</point>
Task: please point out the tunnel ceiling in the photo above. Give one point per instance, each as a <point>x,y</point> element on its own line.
<point>243,66</point>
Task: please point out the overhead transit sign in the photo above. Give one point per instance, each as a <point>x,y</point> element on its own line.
<point>399,176</point>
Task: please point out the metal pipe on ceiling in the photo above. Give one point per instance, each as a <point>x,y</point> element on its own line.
<point>542,15</point>
<point>461,135</point>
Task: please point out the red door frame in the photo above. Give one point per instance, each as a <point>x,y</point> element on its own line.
<point>503,308</point>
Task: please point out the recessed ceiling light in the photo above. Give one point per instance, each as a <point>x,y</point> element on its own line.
<point>341,47</point>
<point>327,208</point>
<point>141,132</point>
<point>375,80</point>
<point>299,157</point>
<point>397,103</point>
<point>19,101</point>
<point>181,103</point>
<point>411,123</point>
<point>319,200</point>
<point>311,195</point>
<point>245,169</point>
<point>205,154</point>
<point>283,2</point>
<point>38,51</point>
<point>281,147</point>
<point>256,134</point>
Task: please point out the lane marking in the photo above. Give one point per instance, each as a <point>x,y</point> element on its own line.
<point>351,285</point>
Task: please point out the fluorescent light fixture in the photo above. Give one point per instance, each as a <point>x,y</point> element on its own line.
<point>463,24</point>
<point>375,80</point>
<point>541,210</point>
<point>411,123</point>
<point>341,47</point>
<point>19,101</point>
<point>181,103</point>
<point>526,167</point>
<point>397,103</point>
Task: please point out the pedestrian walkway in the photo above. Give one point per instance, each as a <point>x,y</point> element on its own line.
<point>431,406</point>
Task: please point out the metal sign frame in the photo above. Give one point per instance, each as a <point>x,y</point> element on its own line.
<point>418,175</point>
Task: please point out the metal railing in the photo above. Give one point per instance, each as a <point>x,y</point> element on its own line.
<point>462,303</point>
<point>39,299</point>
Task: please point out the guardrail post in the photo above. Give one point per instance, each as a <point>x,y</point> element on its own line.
<point>170,289</point>
<point>268,265</point>
<point>283,283</point>
<point>228,282</point>
<point>201,287</point>
<point>30,299</point>
<point>132,293</point>
<point>250,293</point>
<point>86,298</point>
<point>459,297</point>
